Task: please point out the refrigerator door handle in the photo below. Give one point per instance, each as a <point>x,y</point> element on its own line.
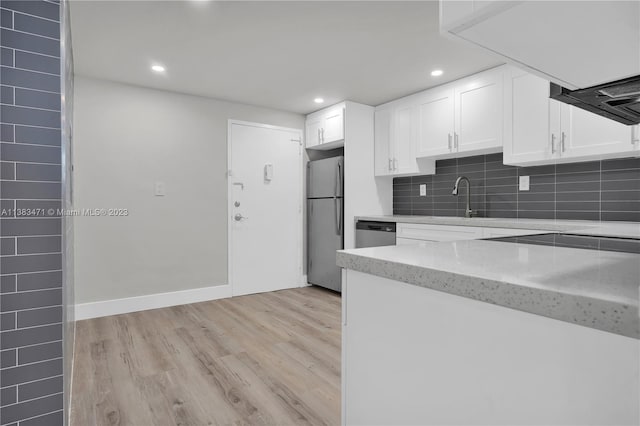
<point>309,260</point>
<point>336,192</point>
<point>309,179</point>
<point>340,216</point>
<point>337,208</point>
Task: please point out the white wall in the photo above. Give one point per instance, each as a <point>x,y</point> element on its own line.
<point>364,193</point>
<point>125,139</point>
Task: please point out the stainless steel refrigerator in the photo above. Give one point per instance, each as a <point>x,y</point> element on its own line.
<point>325,221</point>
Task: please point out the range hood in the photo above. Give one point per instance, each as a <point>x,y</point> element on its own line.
<point>618,100</point>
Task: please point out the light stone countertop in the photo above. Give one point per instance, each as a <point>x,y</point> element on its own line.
<point>597,289</point>
<point>583,227</point>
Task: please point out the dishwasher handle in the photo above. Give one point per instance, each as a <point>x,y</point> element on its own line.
<point>376,226</point>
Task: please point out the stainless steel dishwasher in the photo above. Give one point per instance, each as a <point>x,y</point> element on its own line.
<point>375,234</point>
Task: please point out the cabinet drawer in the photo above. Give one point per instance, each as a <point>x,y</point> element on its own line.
<point>437,232</point>
<point>410,242</point>
<point>508,232</point>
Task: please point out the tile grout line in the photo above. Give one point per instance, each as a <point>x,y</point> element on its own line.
<point>600,195</point>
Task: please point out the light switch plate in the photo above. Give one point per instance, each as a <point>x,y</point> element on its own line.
<point>524,183</point>
<point>423,189</point>
<point>159,189</point>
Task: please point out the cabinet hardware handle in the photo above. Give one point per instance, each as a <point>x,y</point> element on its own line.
<point>455,140</point>
<point>553,143</point>
<point>390,164</point>
<point>319,137</point>
<point>323,135</point>
<point>449,141</point>
<point>562,141</point>
<point>395,164</point>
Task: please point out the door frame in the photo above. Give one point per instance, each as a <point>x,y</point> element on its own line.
<point>299,221</point>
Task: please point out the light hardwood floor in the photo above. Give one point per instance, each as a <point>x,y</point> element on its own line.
<point>271,358</point>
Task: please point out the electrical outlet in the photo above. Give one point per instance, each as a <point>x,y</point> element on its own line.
<point>423,189</point>
<point>524,183</point>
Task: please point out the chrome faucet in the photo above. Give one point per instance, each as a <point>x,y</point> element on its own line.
<point>468,212</point>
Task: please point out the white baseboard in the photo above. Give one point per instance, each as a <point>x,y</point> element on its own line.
<point>151,301</point>
<point>305,281</point>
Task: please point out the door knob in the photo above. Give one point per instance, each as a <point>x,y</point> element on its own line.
<point>238,217</point>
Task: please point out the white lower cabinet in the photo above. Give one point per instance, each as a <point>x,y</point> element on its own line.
<point>410,242</point>
<point>539,130</point>
<point>420,234</point>
<point>416,356</point>
<point>509,232</point>
<point>419,231</point>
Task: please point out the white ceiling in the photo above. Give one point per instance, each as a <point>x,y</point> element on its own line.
<point>275,54</point>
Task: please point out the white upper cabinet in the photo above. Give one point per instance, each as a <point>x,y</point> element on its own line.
<point>539,130</point>
<point>479,113</point>
<point>313,127</point>
<point>396,131</point>
<point>587,135</point>
<point>436,122</point>
<point>463,117</point>
<point>325,128</point>
<point>333,128</point>
<point>528,124</point>
<point>405,132</point>
<point>576,44</point>
<point>382,149</point>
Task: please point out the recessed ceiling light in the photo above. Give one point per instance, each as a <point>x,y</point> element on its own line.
<point>318,100</point>
<point>436,73</point>
<point>157,68</point>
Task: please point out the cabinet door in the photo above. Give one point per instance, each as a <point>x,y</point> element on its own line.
<point>382,142</point>
<point>404,139</point>
<point>435,123</point>
<point>313,128</point>
<point>428,232</point>
<point>410,242</point>
<point>528,122</point>
<point>509,232</point>
<point>589,136</point>
<point>479,113</point>
<point>333,128</point>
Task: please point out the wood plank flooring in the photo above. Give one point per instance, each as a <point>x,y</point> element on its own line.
<point>264,359</point>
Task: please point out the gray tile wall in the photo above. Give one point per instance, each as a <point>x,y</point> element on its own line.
<point>606,190</point>
<point>31,264</point>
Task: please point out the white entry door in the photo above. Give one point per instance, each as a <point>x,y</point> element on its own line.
<point>265,208</point>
